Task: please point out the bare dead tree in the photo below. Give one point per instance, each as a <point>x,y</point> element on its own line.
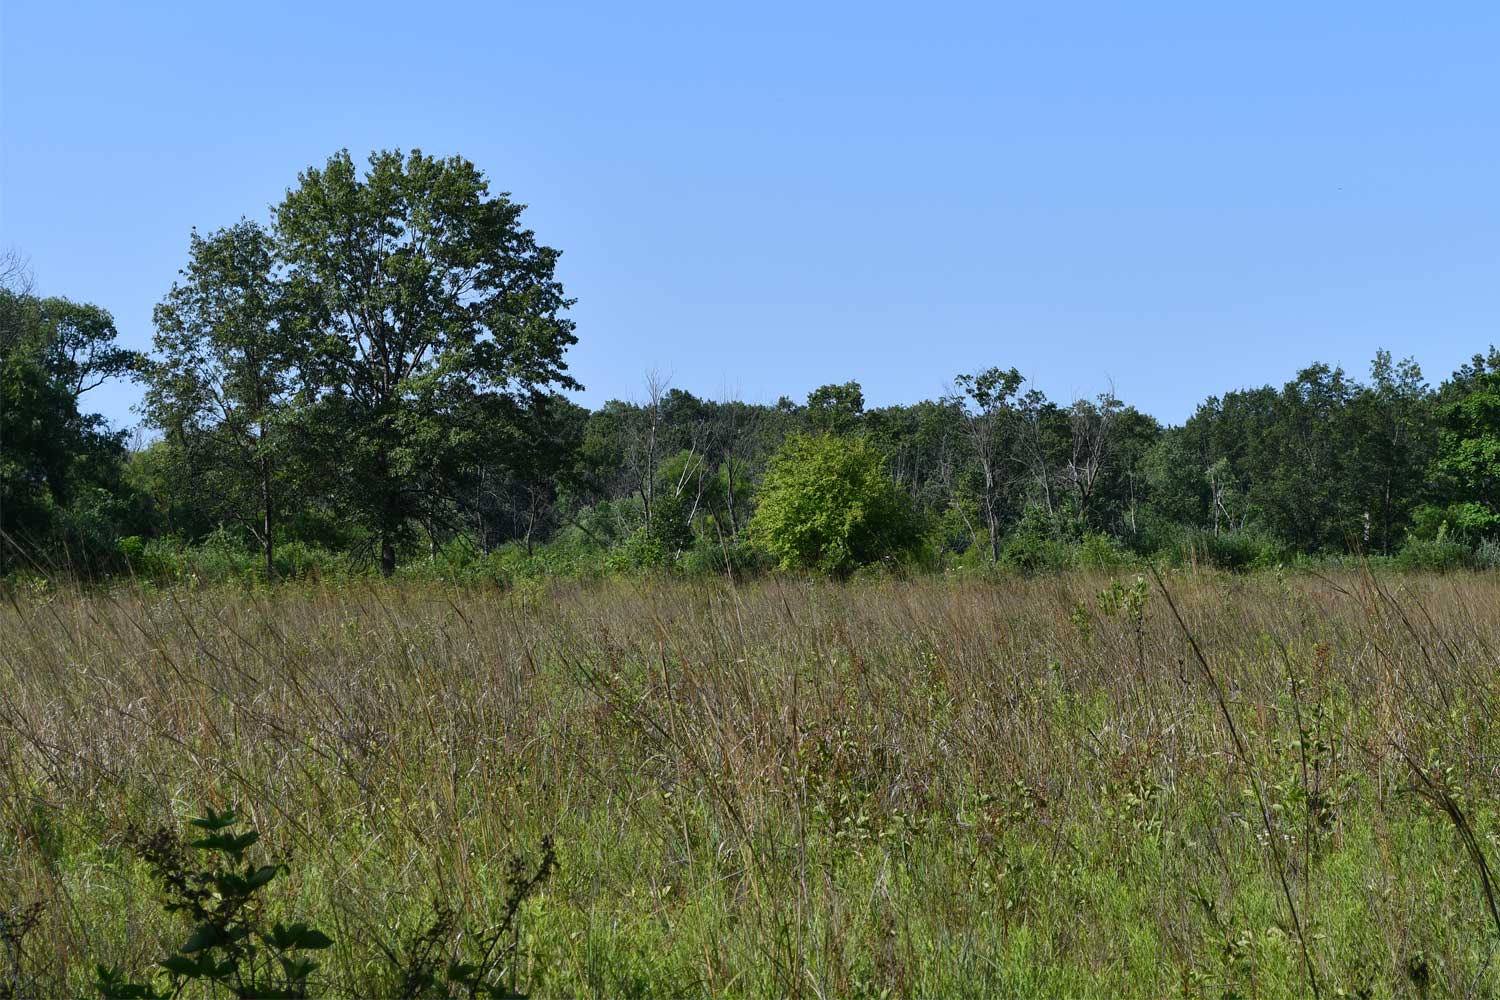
<point>1031,452</point>
<point>15,293</point>
<point>1091,426</point>
<point>734,431</point>
<point>984,400</point>
<point>649,445</point>
<point>1221,490</point>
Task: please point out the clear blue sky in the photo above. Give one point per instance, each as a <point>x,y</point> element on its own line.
<point>1183,198</point>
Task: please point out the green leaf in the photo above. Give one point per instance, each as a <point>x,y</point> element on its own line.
<point>111,984</point>
<point>231,886</point>
<point>298,935</point>
<point>203,936</point>
<point>227,843</point>
<point>297,969</point>
<point>315,940</point>
<point>461,972</point>
<point>214,820</point>
<point>261,876</point>
<point>181,965</point>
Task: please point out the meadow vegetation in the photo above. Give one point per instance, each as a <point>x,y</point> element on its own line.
<point>1086,784</point>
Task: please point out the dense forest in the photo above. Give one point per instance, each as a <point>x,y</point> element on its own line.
<point>375,378</point>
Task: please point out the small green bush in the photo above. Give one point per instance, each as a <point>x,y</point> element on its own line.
<point>1238,551</point>
<point>710,557</point>
<point>1032,552</point>
<point>669,523</point>
<point>1097,551</point>
<point>298,560</point>
<point>157,560</point>
<point>640,551</point>
<point>1437,554</point>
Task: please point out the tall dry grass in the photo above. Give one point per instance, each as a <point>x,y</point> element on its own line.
<point>927,788</point>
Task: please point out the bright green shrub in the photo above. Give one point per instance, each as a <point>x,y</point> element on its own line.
<point>827,504</point>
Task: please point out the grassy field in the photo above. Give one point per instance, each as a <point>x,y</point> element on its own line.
<point>1016,788</point>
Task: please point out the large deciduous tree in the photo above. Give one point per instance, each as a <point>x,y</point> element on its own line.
<point>423,297</point>
<point>222,384</point>
<point>836,409</point>
<point>59,466</point>
<point>1396,439</point>
<point>1469,451</point>
<point>1302,467</point>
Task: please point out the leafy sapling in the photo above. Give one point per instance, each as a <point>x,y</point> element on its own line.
<point>230,950</point>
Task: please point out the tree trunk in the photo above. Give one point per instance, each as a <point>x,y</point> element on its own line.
<point>729,496</point>
<point>387,556</point>
<point>530,522</point>
<point>484,535</point>
<point>267,519</point>
<point>270,540</point>
<point>992,522</point>
<point>1385,517</point>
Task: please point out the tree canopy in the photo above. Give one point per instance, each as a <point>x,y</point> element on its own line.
<point>378,370</point>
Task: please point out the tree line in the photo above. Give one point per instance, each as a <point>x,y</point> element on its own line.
<point>378,370</point>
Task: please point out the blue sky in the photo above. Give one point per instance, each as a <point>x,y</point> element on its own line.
<point>1178,198</point>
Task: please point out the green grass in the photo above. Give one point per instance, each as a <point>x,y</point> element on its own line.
<point>1006,788</point>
